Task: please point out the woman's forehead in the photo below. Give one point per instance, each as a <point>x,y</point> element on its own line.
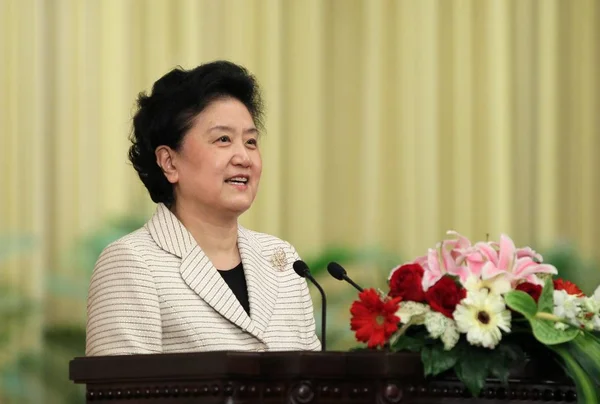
<point>225,114</point>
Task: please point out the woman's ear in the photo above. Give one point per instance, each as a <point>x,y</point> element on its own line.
<point>165,158</point>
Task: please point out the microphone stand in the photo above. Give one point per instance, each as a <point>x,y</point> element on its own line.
<point>351,282</point>
<point>323,310</point>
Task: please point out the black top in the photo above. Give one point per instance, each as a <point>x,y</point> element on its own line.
<point>236,280</point>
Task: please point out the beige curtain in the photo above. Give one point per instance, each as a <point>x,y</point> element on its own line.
<point>389,122</point>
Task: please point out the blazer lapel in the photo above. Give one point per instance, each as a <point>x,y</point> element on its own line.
<point>261,277</point>
<point>198,272</point>
<point>204,279</point>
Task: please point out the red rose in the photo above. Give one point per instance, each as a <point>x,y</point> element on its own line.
<point>374,320</point>
<point>531,289</point>
<point>569,287</point>
<point>407,282</point>
<point>445,295</point>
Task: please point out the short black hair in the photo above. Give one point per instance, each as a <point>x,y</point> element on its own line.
<point>164,116</point>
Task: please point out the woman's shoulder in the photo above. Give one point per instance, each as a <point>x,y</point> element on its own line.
<point>268,240</point>
<point>129,246</point>
<point>272,245</point>
<point>123,264</point>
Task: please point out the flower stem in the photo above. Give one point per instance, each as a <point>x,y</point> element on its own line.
<point>548,316</point>
<point>404,327</point>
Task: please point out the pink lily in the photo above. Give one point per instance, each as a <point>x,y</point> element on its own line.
<point>507,263</point>
<point>443,260</point>
<point>528,252</point>
<point>473,259</point>
<point>527,269</point>
<point>433,268</point>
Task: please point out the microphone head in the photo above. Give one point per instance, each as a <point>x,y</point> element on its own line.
<point>301,268</point>
<point>336,270</point>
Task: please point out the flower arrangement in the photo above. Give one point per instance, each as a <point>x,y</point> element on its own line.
<point>468,307</point>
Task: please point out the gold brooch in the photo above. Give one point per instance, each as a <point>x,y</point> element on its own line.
<point>279,259</point>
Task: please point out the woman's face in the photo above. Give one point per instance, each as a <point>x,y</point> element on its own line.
<point>218,166</point>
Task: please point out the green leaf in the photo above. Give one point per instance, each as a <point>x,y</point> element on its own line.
<point>585,349</point>
<point>408,343</point>
<point>543,329</point>
<point>500,370</point>
<point>586,391</point>
<point>504,358</point>
<point>472,370</point>
<point>427,360</point>
<point>546,301</point>
<point>475,364</point>
<point>545,332</point>
<point>436,360</point>
<point>521,302</point>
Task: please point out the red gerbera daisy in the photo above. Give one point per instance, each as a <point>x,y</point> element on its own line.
<point>374,320</point>
<point>569,287</point>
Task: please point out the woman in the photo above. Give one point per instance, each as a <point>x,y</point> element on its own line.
<point>193,279</point>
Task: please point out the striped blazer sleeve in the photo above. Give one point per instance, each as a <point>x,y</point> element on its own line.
<point>123,309</point>
<point>310,336</point>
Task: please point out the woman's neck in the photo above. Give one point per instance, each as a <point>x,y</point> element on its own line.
<point>216,235</point>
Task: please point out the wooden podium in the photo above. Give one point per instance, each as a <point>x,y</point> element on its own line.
<point>361,377</point>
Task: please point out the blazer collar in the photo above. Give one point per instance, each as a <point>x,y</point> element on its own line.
<point>200,275</point>
<point>169,233</point>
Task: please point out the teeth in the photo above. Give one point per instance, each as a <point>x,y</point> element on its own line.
<point>238,179</point>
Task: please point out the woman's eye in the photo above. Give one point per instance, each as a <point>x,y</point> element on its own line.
<point>223,139</point>
<point>252,142</point>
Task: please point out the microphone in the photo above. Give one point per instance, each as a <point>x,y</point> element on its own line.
<point>339,273</point>
<point>302,270</point>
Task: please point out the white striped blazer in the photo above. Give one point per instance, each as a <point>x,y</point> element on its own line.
<point>155,291</point>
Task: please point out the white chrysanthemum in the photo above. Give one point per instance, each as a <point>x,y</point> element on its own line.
<point>436,323</point>
<point>450,336</point>
<point>591,305</point>
<point>481,315</point>
<point>596,294</point>
<point>440,326</point>
<point>497,285</point>
<point>411,309</point>
<point>590,314</point>
<point>596,322</point>
<point>566,306</point>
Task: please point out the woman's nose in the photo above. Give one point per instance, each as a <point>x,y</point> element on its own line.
<point>242,157</point>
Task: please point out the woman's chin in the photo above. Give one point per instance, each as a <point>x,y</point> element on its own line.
<point>238,207</point>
